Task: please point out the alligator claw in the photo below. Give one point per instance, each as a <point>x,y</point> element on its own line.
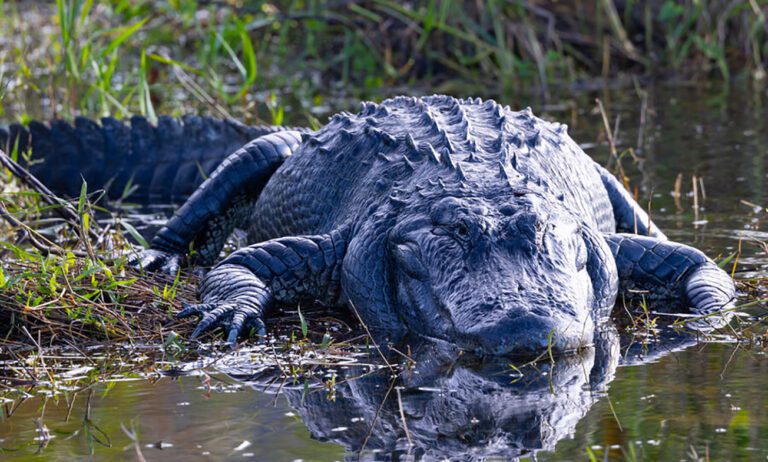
<point>156,260</point>
<point>232,316</point>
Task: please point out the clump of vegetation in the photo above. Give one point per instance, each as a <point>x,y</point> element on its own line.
<point>64,274</point>
<point>254,60</point>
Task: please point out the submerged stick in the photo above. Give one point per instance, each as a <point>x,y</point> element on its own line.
<point>607,127</point>
<point>612,143</point>
<point>402,416</point>
<point>695,186</point>
<point>643,121</point>
<point>677,194</point>
<point>373,341</point>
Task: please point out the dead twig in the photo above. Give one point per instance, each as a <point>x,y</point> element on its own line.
<point>368,332</point>
<point>60,206</point>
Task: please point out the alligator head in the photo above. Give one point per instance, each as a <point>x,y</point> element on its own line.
<point>511,273</point>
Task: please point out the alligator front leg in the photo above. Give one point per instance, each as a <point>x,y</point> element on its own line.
<point>222,203</point>
<point>238,291</point>
<point>673,273</point>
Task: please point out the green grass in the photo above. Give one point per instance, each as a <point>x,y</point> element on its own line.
<point>55,278</point>
<point>253,60</point>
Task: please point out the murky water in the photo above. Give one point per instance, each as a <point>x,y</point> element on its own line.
<point>679,400</point>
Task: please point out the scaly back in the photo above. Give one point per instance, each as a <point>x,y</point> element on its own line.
<point>405,146</point>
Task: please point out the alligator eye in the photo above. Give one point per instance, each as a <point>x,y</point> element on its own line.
<point>462,230</point>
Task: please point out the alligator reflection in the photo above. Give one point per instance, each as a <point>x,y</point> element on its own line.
<point>465,409</point>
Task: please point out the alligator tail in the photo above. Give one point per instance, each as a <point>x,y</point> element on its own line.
<point>136,160</point>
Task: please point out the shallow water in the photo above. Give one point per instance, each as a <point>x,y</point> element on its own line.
<point>701,400</point>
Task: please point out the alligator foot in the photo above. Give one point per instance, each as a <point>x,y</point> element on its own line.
<point>232,314</point>
<point>236,293</point>
<point>233,298</point>
<point>684,274</point>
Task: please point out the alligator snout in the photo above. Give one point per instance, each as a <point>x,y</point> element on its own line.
<point>529,334</point>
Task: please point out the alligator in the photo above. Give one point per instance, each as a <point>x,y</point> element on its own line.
<point>460,220</point>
